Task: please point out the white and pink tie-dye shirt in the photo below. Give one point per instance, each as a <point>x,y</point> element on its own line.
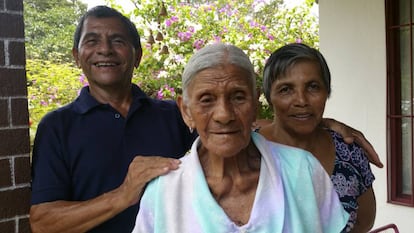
<point>294,195</point>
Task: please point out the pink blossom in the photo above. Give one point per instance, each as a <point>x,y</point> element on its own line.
<point>253,23</point>
<point>198,44</point>
<point>184,36</point>
<point>171,20</point>
<point>83,80</point>
<point>160,94</point>
<point>165,92</point>
<point>178,58</point>
<point>270,37</point>
<point>172,91</point>
<point>228,10</point>
<point>207,8</point>
<point>217,39</point>
<point>224,9</point>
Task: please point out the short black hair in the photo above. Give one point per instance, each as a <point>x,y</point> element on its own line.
<point>107,12</point>
<point>286,56</point>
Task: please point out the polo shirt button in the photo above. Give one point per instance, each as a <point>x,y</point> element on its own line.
<point>117,115</point>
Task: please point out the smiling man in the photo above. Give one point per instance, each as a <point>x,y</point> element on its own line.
<point>86,175</point>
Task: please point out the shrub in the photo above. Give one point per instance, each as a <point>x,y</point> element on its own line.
<point>171,32</point>
<point>50,86</point>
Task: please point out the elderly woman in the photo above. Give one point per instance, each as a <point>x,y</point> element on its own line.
<point>297,83</point>
<point>233,180</point>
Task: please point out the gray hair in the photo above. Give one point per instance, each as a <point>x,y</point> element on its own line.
<point>215,55</point>
<point>285,57</point>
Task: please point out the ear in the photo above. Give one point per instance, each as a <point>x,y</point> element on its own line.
<point>256,109</point>
<point>138,58</point>
<point>258,93</point>
<point>75,54</point>
<point>185,112</point>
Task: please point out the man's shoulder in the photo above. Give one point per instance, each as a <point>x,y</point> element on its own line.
<point>163,104</point>
<point>61,111</point>
<point>143,99</point>
<point>156,106</point>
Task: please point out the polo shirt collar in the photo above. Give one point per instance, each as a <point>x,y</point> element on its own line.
<point>85,102</point>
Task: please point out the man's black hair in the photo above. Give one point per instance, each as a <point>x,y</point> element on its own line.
<point>107,12</point>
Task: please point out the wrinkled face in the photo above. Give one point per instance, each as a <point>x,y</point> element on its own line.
<point>222,107</point>
<point>106,54</point>
<point>299,98</point>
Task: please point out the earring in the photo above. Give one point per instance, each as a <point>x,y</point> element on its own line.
<point>191,129</point>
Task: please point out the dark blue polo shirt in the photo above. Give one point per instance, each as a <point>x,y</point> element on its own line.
<point>83,149</point>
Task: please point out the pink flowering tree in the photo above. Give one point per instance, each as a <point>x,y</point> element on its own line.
<point>171,31</point>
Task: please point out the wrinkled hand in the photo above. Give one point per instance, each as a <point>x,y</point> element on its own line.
<point>141,170</point>
<point>350,135</point>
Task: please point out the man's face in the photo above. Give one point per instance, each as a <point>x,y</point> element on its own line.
<point>105,53</point>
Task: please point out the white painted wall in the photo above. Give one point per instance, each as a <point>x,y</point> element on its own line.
<point>352,39</point>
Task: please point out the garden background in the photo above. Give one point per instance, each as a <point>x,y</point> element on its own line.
<point>170,33</point>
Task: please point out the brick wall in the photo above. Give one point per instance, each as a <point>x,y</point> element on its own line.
<point>14,132</point>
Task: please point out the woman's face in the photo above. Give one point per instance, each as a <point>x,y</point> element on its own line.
<point>222,107</point>
<point>299,98</point>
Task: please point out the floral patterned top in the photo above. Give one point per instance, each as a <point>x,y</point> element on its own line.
<point>351,177</point>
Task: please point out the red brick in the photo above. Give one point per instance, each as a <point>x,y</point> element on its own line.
<point>12,82</point>
<point>14,202</point>
<point>22,170</point>
<point>8,226</point>
<point>5,173</point>
<point>14,5</point>
<point>14,141</point>
<point>24,226</point>
<point>4,113</point>
<point>17,53</point>
<point>19,112</point>
<point>11,25</point>
<point>2,53</point>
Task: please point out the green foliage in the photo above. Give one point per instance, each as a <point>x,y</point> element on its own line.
<point>50,86</point>
<point>258,27</point>
<point>49,28</point>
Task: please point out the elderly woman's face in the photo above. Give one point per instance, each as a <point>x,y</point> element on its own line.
<point>222,107</point>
